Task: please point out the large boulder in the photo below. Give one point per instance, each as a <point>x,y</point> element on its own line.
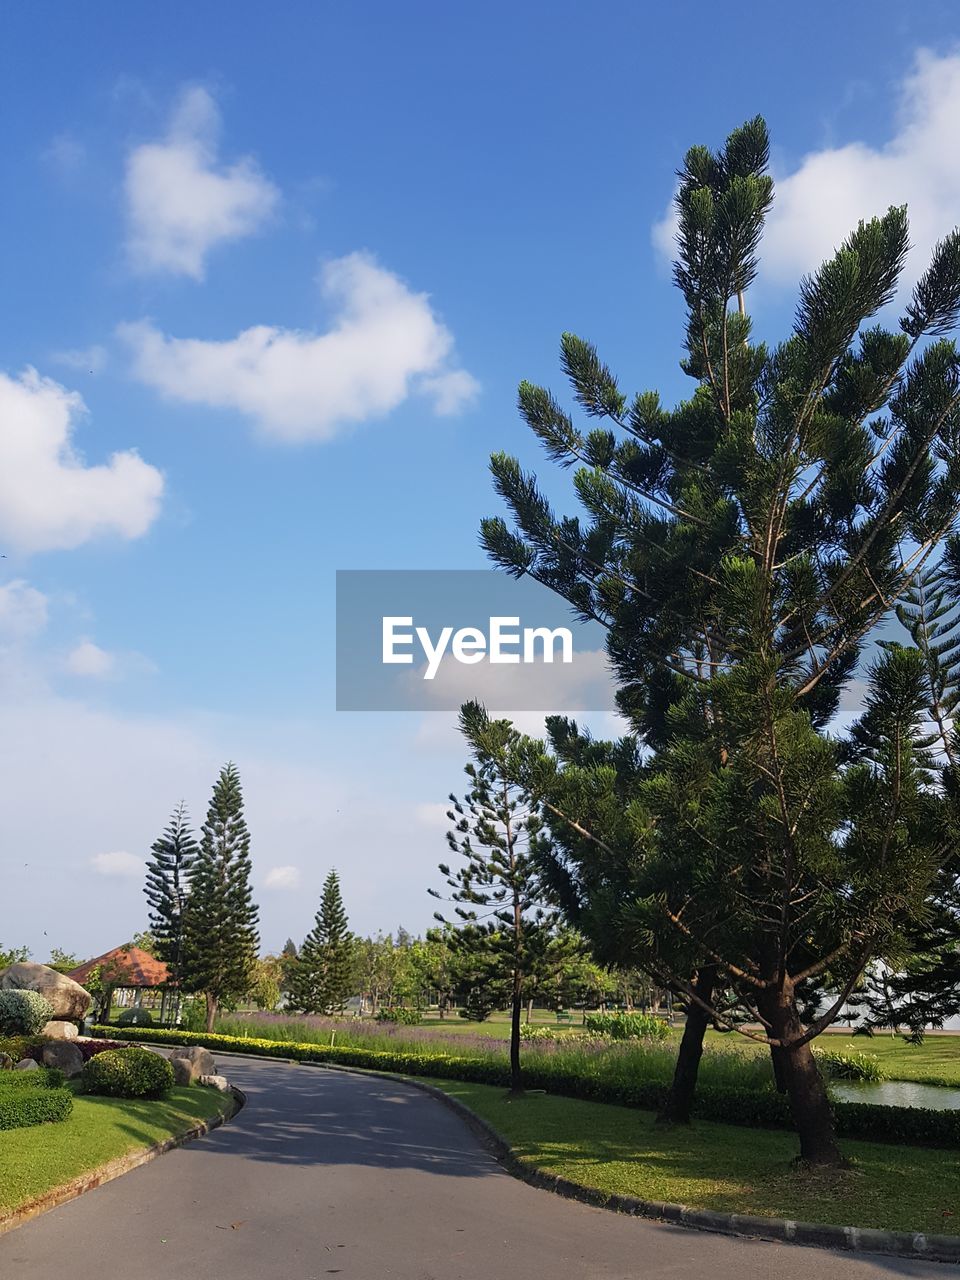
<point>202,1059</point>
<point>183,1071</point>
<point>60,1031</point>
<point>27,1064</point>
<point>63,1055</point>
<point>68,999</point>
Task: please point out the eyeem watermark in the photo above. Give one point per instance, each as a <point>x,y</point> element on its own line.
<point>432,639</point>
<point>504,642</point>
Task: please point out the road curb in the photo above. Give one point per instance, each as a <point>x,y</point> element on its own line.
<point>114,1169</point>
<point>901,1244</point>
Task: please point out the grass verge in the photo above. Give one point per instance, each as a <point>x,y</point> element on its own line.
<point>35,1160</point>
<point>620,1151</point>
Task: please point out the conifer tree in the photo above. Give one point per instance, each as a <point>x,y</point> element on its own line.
<point>743,550</point>
<point>167,889</point>
<point>324,975</point>
<point>220,923</point>
<point>502,902</point>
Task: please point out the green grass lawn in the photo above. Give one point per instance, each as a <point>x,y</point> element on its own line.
<point>936,1061</point>
<point>712,1166</point>
<point>36,1159</point>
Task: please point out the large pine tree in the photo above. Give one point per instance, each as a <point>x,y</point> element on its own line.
<point>220,923</point>
<point>167,888</point>
<point>744,550</point>
<point>324,975</point>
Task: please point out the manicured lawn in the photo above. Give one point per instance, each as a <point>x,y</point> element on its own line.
<point>34,1160</point>
<point>713,1166</point>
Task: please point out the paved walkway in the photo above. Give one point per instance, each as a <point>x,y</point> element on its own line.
<point>326,1174</point>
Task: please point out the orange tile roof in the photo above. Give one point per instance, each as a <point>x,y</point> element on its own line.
<point>139,968</point>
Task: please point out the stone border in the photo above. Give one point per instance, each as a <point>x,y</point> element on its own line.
<point>901,1244</point>
<point>84,1182</point>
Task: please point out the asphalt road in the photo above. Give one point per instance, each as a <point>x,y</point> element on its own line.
<point>324,1173</point>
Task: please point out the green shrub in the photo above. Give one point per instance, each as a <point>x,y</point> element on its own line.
<point>42,1078</point>
<point>754,1107</point>
<point>23,1013</point>
<point>849,1066</point>
<point>193,1014</point>
<point>531,1033</point>
<point>135,1017</point>
<point>627,1026</point>
<point>478,1005</point>
<point>405,1017</point>
<point>20,1047</point>
<point>20,1108</point>
<point>127,1073</point>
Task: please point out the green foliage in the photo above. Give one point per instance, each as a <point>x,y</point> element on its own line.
<point>23,1013</point>
<point>399,1014</point>
<point>136,1016</point>
<point>627,1026</point>
<point>538,1035</point>
<point>21,1108</point>
<point>167,888</point>
<point>19,1047</point>
<point>745,1106</point>
<point>324,974</point>
<point>220,939</point>
<point>849,1066</point>
<point>479,1003</point>
<point>62,961</point>
<point>13,955</point>
<point>127,1073</point>
<point>193,1016</point>
<point>42,1078</point>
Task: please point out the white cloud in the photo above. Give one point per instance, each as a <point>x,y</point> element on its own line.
<point>88,659</point>
<point>83,359</point>
<point>23,610</point>
<point>282,878</point>
<point>117,864</point>
<point>384,343</point>
<point>181,202</point>
<point>49,498</point>
<point>821,201</point>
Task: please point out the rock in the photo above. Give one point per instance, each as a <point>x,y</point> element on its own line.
<point>6,1062</point>
<point>65,1056</point>
<point>183,1071</point>
<point>202,1059</point>
<point>27,1064</point>
<point>68,998</point>
<point>60,1030</point>
<point>216,1082</point>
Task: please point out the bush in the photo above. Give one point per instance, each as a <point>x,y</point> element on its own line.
<point>405,1017</point>
<point>43,1078</point>
<point>127,1073</point>
<point>627,1026</point>
<point>849,1066</point>
<point>538,1033</point>
<point>135,1017</point>
<point>20,1047</point>
<point>478,1005</point>
<point>20,1108</point>
<point>23,1013</point>
<point>756,1107</point>
<point>193,1014</point>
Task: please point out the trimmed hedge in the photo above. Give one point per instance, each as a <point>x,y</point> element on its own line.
<point>43,1078</point>
<point>23,1013</point>
<point>20,1108</point>
<point>755,1108</point>
<point>130,1072</point>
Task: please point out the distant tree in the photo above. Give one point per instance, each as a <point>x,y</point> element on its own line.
<point>62,961</point>
<point>172,856</point>
<point>144,940</point>
<point>13,955</point>
<point>326,971</point>
<point>265,986</point>
<point>220,937</point>
<point>501,899</point>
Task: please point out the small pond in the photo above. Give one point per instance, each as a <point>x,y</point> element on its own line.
<point>897,1093</point>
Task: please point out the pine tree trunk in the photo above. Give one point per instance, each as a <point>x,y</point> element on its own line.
<point>809,1102</point>
<point>516,1011</point>
<point>529,1013</point>
<point>678,1104</point>
<point>779,1073</point>
<point>212,1005</point>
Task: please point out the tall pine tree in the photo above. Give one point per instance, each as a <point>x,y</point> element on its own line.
<point>220,924</point>
<point>324,975</point>
<point>167,888</point>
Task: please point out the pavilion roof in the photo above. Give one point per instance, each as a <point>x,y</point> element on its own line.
<point>137,967</point>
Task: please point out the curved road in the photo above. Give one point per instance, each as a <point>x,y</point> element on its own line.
<point>324,1173</point>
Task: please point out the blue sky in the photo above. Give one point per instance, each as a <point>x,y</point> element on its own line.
<point>442,191</point>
